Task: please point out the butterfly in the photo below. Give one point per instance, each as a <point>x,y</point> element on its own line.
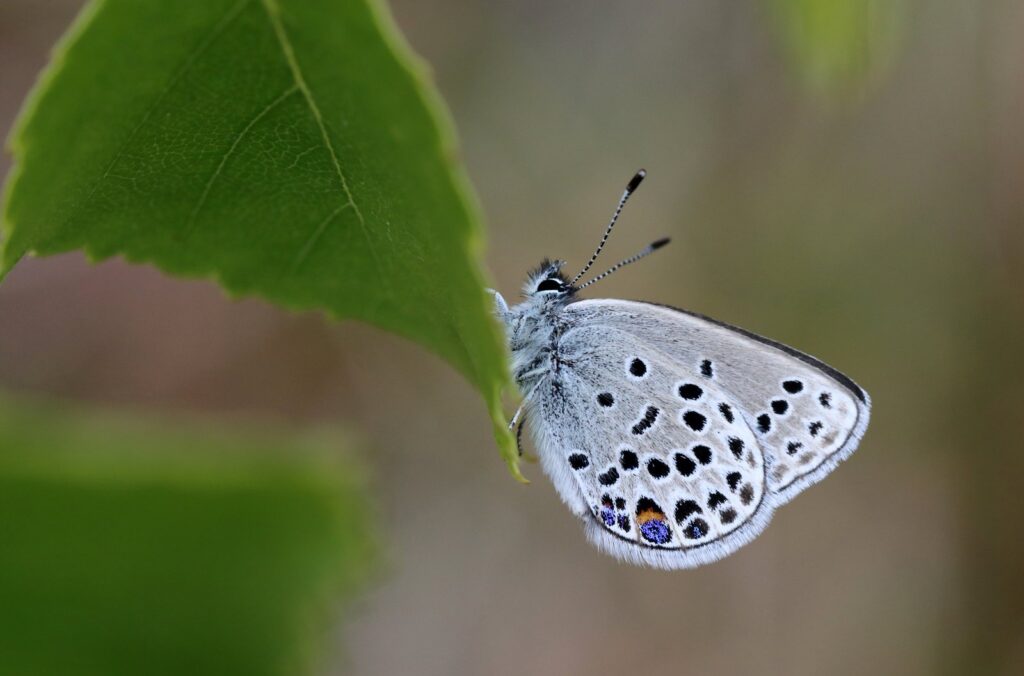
<point>673,436</point>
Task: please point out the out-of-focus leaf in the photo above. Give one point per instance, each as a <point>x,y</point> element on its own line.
<point>836,45</point>
<point>134,548</point>
<point>288,148</point>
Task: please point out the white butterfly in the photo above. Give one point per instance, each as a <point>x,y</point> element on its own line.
<point>671,435</point>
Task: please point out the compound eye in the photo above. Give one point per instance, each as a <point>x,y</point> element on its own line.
<point>550,284</point>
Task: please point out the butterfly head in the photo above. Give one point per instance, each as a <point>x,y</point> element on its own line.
<point>546,282</point>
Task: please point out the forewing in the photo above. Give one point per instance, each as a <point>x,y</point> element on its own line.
<point>655,456</point>
<point>806,416</point>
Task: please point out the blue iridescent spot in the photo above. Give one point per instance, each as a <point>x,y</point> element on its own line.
<point>655,531</point>
<point>624,522</point>
<point>608,516</point>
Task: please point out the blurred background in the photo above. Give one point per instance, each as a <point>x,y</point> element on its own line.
<point>846,177</point>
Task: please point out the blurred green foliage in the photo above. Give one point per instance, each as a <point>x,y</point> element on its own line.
<point>839,45</point>
<point>291,149</point>
<point>137,548</point>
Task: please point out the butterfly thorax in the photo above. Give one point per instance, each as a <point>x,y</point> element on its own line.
<point>533,329</point>
<point>534,326</point>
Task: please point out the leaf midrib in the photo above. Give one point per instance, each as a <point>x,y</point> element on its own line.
<point>271,10</point>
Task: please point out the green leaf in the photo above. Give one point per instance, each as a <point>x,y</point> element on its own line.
<point>836,45</point>
<point>287,148</point>
<point>142,548</point>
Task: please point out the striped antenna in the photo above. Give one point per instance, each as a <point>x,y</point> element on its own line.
<point>633,183</point>
<point>648,250</point>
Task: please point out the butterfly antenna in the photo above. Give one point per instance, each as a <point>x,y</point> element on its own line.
<point>648,250</point>
<point>632,186</point>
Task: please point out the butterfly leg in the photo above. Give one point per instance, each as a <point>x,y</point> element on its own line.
<point>519,436</point>
<point>529,457</point>
<point>515,416</point>
<point>522,405</point>
<point>520,412</point>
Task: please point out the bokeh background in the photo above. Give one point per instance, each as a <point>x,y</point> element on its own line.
<point>845,177</point>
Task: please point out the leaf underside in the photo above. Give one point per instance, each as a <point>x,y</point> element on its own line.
<point>290,149</point>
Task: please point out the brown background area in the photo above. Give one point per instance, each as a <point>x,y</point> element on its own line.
<point>880,230</point>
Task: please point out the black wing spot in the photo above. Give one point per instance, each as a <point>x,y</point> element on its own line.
<point>715,500</point>
<point>696,530</point>
<point>780,406</point>
<point>685,466</point>
<point>733,479</point>
<point>764,423</point>
<point>646,504</point>
<point>579,461</point>
<point>657,469</point>
<point>650,415</point>
<point>620,503</point>
<point>736,446</point>
<point>825,399</point>
<point>727,515</point>
<point>726,411</point>
<point>694,420</point>
<point>690,391</point>
<point>793,446</point>
<point>685,509</point>
<point>628,460</point>
<point>814,428</point>
<point>606,399</point>
<point>609,477</point>
<point>706,369</point>
<point>793,386</point>
<point>746,493</point>
<point>637,367</point>
<point>703,454</point>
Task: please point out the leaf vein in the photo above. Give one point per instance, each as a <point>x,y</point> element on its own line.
<point>298,158</point>
<point>224,160</point>
<point>273,11</point>
<point>217,31</point>
<point>312,240</point>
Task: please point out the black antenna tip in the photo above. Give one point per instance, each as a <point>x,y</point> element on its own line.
<point>660,243</point>
<point>635,181</point>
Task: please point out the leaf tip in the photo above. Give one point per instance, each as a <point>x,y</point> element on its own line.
<point>513,468</point>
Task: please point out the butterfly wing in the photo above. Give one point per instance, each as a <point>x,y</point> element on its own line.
<point>674,436</point>
<point>655,458</point>
<point>807,416</point>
